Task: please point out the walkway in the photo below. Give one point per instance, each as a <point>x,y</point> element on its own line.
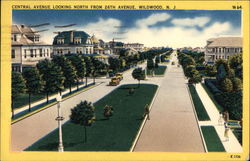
<point>172,126</point>
<point>230,146</point>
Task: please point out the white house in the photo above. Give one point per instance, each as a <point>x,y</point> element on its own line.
<point>222,48</point>
<point>27,48</point>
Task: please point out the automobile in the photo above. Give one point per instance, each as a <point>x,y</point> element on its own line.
<point>119,75</point>
<point>114,81</point>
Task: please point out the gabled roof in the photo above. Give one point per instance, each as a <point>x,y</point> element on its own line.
<point>66,36</point>
<point>225,42</point>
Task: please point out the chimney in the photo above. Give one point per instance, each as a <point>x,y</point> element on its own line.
<point>71,37</point>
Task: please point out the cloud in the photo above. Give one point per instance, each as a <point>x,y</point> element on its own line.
<point>153,19</point>
<point>190,22</point>
<point>147,32</point>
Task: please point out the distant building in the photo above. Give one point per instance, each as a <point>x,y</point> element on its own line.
<point>73,42</point>
<point>222,48</point>
<point>27,48</point>
<point>98,45</point>
<point>136,46</point>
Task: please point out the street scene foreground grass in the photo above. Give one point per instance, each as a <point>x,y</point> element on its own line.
<point>158,71</point>
<point>114,134</point>
<point>199,107</point>
<point>212,139</point>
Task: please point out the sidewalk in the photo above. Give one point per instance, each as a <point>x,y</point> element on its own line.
<point>230,146</point>
<point>41,101</point>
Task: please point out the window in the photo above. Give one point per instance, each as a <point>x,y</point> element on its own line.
<point>13,54</point>
<point>15,38</point>
<point>47,52</point>
<point>31,53</point>
<point>41,52</point>
<point>60,41</point>
<point>37,38</point>
<point>77,40</point>
<point>25,53</point>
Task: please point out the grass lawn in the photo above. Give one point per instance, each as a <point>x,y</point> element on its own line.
<point>199,107</point>
<point>39,106</point>
<point>115,134</point>
<point>238,135</point>
<point>219,107</point>
<point>212,139</point>
<point>158,71</point>
<point>23,99</point>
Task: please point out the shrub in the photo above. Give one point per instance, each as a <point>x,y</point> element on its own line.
<point>237,84</point>
<point>210,83</point>
<point>226,85</point>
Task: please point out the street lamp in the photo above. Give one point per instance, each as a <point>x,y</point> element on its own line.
<point>59,119</point>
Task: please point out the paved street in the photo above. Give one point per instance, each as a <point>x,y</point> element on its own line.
<point>172,126</point>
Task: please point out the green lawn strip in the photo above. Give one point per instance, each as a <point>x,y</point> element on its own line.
<point>34,108</point>
<point>115,134</point>
<point>23,99</point>
<point>158,71</point>
<point>219,107</point>
<point>212,139</point>
<point>199,107</point>
<point>238,135</point>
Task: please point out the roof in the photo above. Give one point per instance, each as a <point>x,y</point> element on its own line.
<point>25,33</point>
<point>226,42</point>
<point>66,35</point>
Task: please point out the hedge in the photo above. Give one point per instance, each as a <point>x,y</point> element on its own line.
<point>231,101</point>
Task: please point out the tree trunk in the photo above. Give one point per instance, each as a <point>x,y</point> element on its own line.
<point>86,81</point>
<point>139,84</point>
<point>85,130</point>
<point>60,91</point>
<point>29,102</point>
<point>69,88</point>
<point>77,84</point>
<point>47,93</point>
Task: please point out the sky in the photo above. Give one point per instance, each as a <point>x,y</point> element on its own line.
<point>172,28</point>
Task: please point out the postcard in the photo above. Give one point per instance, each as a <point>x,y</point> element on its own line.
<point>124,80</point>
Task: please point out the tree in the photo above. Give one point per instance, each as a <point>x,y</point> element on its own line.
<point>150,65</point>
<point>189,71</point>
<point>84,115</point>
<point>221,73</point>
<point>89,68</point>
<point>34,83</point>
<point>226,85</point>
<point>79,64</point>
<point>210,71</point>
<point>157,61</point>
<point>108,111</point>
<point>138,74</point>
<point>52,75</point>
<point>114,64</point>
<point>235,63</point>
<point>237,84</point>
<point>97,67</point>
<point>68,69</point>
<point>17,87</point>
<point>188,60</point>
<point>196,78</point>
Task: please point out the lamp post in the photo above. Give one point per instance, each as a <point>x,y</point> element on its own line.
<point>59,119</point>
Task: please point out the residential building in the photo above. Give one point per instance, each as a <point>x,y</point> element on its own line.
<point>222,48</point>
<point>136,46</point>
<point>27,48</point>
<point>73,42</point>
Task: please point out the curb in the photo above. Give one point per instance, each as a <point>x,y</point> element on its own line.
<point>197,121</point>
<point>144,121</point>
<point>51,104</point>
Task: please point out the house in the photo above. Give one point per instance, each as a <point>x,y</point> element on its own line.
<point>27,48</point>
<point>222,48</point>
<point>72,42</point>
